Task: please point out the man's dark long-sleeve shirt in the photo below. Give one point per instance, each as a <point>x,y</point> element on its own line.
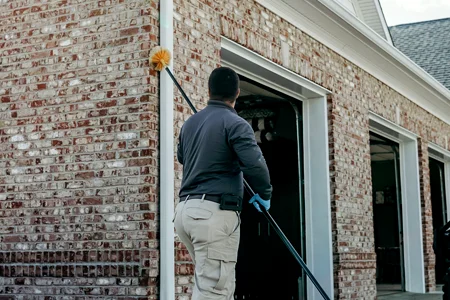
<point>217,148</point>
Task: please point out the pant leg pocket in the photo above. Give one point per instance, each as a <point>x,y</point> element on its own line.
<point>220,266</point>
<point>198,222</point>
<point>238,222</point>
<point>198,213</point>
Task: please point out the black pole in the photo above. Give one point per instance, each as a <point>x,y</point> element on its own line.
<point>289,245</point>
<point>266,213</point>
<point>181,90</point>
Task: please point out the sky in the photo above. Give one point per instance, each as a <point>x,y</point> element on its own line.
<point>410,11</point>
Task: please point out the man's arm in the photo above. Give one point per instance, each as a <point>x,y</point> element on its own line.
<point>242,138</point>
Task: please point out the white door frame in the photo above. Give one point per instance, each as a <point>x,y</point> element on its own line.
<point>319,251</point>
<point>411,200</point>
<point>442,155</point>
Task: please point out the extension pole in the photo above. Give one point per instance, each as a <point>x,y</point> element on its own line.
<point>265,212</point>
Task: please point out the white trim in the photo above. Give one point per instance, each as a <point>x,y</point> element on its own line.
<point>441,150</point>
<point>167,172</point>
<point>447,186</point>
<point>446,162</point>
<point>383,21</point>
<point>262,80</point>
<point>359,13</point>
<point>319,251</point>
<point>346,3</point>
<point>385,135</point>
<point>335,27</point>
<point>254,58</point>
<point>435,157</point>
<point>404,134</point>
<point>411,200</point>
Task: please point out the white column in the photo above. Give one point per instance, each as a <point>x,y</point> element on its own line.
<point>412,217</point>
<point>319,251</point>
<point>166,199</point>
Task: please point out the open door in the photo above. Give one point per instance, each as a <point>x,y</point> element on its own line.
<point>262,256</point>
<point>387,214</point>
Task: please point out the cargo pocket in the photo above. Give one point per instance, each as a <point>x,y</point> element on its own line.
<point>221,265</point>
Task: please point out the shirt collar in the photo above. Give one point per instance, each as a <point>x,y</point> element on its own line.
<point>222,104</point>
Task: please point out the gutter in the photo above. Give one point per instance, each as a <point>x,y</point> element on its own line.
<point>167,188</point>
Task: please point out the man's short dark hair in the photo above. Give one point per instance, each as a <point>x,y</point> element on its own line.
<point>223,84</point>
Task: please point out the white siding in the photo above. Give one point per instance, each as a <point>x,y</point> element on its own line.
<point>372,17</point>
<point>348,4</point>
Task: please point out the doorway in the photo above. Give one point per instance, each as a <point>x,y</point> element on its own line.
<point>387,214</point>
<point>439,208</point>
<point>276,121</point>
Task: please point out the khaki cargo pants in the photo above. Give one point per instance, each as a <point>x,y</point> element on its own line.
<point>211,236</point>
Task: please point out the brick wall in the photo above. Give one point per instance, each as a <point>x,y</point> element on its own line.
<point>427,216</point>
<point>79,140</point>
<point>351,189</point>
<point>78,149</point>
<point>355,93</point>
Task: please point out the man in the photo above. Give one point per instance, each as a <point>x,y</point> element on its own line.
<point>217,148</point>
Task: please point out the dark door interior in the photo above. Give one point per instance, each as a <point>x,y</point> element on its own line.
<point>265,268</point>
<point>387,211</point>
<point>439,208</point>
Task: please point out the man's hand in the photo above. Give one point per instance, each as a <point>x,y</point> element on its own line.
<point>256,200</point>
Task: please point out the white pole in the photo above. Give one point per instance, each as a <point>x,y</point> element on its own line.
<point>166,199</point>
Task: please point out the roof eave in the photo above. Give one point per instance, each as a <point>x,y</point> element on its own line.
<point>341,31</point>
<point>382,44</point>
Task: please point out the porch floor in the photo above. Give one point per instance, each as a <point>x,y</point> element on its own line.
<point>394,292</point>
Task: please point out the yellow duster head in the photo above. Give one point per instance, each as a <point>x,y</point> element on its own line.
<point>159,58</point>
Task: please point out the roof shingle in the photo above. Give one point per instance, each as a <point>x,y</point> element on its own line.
<point>428,45</point>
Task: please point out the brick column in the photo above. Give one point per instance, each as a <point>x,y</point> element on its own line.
<point>427,216</point>
<point>351,196</point>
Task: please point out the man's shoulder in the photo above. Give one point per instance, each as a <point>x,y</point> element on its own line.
<point>237,119</point>
<point>197,116</point>
<point>224,116</point>
<point>217,114</point>
<point>237,123</point>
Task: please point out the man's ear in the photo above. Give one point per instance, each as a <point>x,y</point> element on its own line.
<point>209,93</point>
<point>238,93</point>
